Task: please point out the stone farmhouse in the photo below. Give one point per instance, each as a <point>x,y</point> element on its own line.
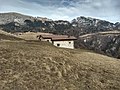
<point>63,41</point>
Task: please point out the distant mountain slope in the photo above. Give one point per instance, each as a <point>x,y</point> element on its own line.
<point>41,66</point>
<point>14,17</point>
<point>84,25</point>
<point>103,42</point>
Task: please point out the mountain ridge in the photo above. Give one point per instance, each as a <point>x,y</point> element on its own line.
<point>43,24</point>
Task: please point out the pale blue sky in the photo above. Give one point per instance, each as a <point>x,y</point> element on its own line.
<point>65,9</point>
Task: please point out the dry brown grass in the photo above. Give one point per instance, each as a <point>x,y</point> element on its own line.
<point>30,35</point>
<point>5,36</point>
<point>41,66</point>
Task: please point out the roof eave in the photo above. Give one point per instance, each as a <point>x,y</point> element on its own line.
<point>62,39</point>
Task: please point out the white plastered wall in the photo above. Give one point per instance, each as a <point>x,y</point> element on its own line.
<point>64,44</point>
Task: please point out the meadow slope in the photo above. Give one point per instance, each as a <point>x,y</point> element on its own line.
<point>41,66</point>
<point>8,36</point>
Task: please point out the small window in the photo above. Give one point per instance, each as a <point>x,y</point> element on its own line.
<point>69,42</point>
<point>58,45</point>
<point>48,40</point>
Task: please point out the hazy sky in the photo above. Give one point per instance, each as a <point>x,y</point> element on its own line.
<point>65,9</point>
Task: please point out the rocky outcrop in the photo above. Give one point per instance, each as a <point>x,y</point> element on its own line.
<point>6,18</point>
<point>85,25</point>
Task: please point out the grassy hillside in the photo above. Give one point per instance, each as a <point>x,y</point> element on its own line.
<point>30,35</point>
<point>8,36</point>
<point>41,66</point>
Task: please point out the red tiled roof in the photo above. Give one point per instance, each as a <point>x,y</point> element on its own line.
<point>58,37</point>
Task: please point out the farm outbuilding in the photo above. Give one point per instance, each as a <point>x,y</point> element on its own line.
<point>63,41</point>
